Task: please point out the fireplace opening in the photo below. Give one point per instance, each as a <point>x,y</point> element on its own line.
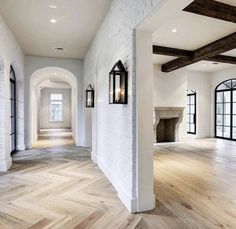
<point>165,130</point>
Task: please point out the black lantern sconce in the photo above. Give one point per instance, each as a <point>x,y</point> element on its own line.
<point>118,84</point>
<point>90,96</point>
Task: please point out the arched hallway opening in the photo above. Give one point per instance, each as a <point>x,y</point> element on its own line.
<point>53,106</point>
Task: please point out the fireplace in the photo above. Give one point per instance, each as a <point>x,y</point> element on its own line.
<point>166,123</point>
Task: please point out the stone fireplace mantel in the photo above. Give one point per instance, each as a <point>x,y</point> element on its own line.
<point>168,113</point>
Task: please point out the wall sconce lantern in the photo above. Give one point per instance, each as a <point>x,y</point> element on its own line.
<point>118,84</point>
<point>90,96</point>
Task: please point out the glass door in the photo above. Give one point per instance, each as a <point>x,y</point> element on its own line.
<point>234,115</point>
<point>191,113</point>
<point>226,110</point>
<point>12,111</point>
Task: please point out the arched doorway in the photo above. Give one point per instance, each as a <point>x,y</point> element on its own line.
<point>12,110</point>
<point>38,78</point>
<point>225,110</point>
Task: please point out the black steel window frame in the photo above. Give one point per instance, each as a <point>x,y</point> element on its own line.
<point>231,89</point>
<point>189,113</point>
<point>13,130</point>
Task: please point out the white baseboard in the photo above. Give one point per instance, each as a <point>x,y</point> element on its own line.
<point>28,146</point>
<point>127,200</point>
<point>147,205</point>
<point>79,143</point>
<point>94,158</point>
<point>5,165</point>
<point>21,147</point>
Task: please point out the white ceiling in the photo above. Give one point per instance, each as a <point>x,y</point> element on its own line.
<point>54,84</point>
<point>193,32</point>
<point>77,23</point>
<point>208,66</point>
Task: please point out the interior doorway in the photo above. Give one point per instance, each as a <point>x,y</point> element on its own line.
<point>53,105</point>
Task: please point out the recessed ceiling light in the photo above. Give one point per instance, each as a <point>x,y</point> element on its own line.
<point>52,6</point>
<point>174,30</point>
<point>55,74</point>
<point>53,21</point>
<point>59,49</point>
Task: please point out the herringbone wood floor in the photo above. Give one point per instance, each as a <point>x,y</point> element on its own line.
<point>57,186</point>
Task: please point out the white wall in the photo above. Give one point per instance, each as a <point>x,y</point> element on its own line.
<point>33,64</point>
<point>45,122</point>
<point>201,82</point>
<point>114,126</point>
<point>170,90</point>
<point>10,54</point>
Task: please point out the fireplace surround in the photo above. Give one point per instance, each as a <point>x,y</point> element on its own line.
<point>166,123</point>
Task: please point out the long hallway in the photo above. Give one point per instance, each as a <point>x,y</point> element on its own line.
<point>55,185</point>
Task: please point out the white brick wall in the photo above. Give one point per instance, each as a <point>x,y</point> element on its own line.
<point>114,125</point>
<point>10,54</point>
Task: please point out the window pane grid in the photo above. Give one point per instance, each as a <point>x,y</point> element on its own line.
<point>191,113</point>
<point>56,107</point>
<point>12,117</point>
<point>226,110</point>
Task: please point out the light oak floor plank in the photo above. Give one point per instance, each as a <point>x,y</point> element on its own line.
<point>58,186</point>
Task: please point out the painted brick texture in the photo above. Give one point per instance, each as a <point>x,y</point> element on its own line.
<point>114,140</point>
<point>10,54</point>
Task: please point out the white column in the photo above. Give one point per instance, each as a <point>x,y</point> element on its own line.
<point>28,88</point>
<point>20,115</point>
<point>144,121</point>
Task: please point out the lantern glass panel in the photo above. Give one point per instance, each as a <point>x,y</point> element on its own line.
<point>111,87</point>
<point>89,98</point>
<point>118,82</point>
<point>123,89</point>
<point>117,88</point>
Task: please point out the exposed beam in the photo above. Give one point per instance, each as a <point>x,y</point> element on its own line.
<point>213,49</point>
<point>171,51</point>
<point>166,51</point>
<point>214,9</point>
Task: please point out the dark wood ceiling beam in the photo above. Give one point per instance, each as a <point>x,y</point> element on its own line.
<point>161,50</point>
<point>214,9</point>
<point>167,51</point>
<point>213,49</point>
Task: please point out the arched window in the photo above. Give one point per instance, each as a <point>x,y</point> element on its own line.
<point>225,110</point>
<point>12,110</point>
